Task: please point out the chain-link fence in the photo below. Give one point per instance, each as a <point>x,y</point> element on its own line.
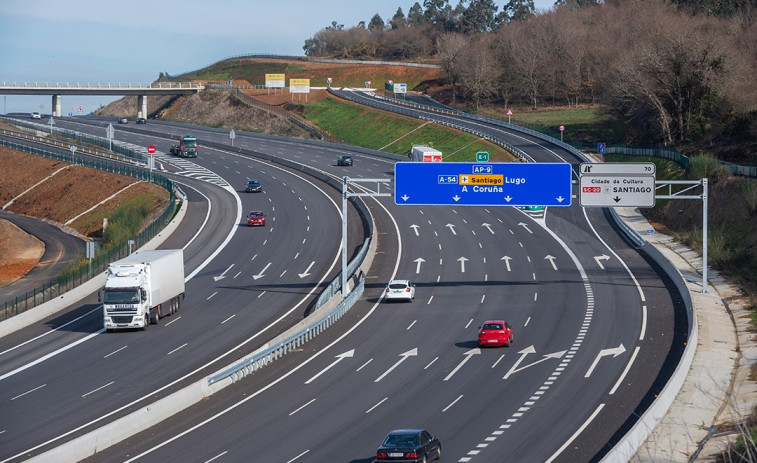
<point>84,270</point>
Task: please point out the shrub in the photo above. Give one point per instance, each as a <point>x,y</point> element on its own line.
<point>125,224</point>
<point>706,165</point>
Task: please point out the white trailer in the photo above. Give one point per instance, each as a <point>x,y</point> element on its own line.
<point>142,288</point>
<point>424,153</point>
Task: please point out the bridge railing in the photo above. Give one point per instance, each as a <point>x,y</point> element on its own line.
<point>102,85</point>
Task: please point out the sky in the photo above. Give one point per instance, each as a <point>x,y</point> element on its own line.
<point>96,41</point>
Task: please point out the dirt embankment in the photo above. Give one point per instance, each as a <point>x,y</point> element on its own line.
<point>57,191</point>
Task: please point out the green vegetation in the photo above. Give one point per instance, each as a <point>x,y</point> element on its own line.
<point>361,126</point>
<point>126,222</point>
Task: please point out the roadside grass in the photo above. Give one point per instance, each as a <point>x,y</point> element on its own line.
<point>128,217</point>
<point>370,128</point>
<point>584,125</point>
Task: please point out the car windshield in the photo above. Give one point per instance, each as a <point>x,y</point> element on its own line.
<point>256,214</point>
<point>401,440</point>
<point>492,326</point>
<point>121,297</point>
<point>397,286</point>
<point>253,182</point>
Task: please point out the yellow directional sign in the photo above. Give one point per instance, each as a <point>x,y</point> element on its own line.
<point>467,179</point>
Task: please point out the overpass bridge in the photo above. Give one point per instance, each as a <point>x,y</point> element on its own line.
<point>141,90</point>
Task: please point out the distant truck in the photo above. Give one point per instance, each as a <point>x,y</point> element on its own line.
<point>142,288</point>
<point>186,148</point>
<point>424,153</point>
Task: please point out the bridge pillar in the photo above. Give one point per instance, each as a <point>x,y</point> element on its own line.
<point>142,106</point>
<point>56,105</point>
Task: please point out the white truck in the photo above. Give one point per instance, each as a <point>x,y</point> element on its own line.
<point>424,153</point>
<point>142,288</point>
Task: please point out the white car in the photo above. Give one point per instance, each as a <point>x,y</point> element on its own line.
<point>36,115</point>
<point>399,290</point>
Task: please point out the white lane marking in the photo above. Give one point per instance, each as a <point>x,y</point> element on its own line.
<point>217,456</point>
<point>173,320</point>
<point>181,346</point>
<point>228,319</point>
<point>28,392</point>
<point>575,434</point>
<point>411,325</point>
<point>115,352</point>
<point>298,456</point>
<point>380,402</point>
<point>453,403</point>
<point>625,371</point>
<point>469,322</point>
<point>498,360</point>
<point>97,309</point>
<point>211,296</point>
<point>431,363</point>
<point>429,300</point>
<point>50,355</point>
<point>527,320</point>
<point>93,391</point>
<point>364,365</point>
<point>300,408</point>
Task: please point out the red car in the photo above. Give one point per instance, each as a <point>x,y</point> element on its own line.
<point>256,218</point>
<point>495,333</point>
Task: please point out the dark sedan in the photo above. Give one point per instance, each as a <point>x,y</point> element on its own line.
<point>409,446</point>
<point>344,160</point>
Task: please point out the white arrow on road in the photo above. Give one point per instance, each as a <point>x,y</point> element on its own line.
<point>467,355</point>
<point>415,228</point>
<point>462,263</point>
<point>551,260</point>
<point>418,261</point>
<point>339,358</point>
<point>262,272</point>
<point>507,261</point>
<point>451,228</point>
<point>531,350</point>
<point>489,227</point>
<point>223,275</point>
<point>615,351</point>
<point>521,224</point>
<point>307,270</point>
<point>602,257</point>
<point>410,353</point>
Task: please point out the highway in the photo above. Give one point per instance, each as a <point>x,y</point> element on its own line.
<point>593,327</point>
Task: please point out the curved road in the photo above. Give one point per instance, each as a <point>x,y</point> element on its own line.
<point>417,365</point>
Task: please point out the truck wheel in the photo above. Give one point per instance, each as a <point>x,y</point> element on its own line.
<point>147,322</point>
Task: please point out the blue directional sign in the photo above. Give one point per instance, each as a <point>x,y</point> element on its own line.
<point>482,184</point>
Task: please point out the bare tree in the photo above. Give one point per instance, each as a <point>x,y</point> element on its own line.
<point>478,70</point>
<point>450,48</point>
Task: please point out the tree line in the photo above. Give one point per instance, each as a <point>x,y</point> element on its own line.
<point>670,71</point>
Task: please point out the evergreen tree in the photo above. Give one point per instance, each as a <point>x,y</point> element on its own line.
<point>376,22</point>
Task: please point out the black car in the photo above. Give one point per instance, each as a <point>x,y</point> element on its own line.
<point>253,186</point>
<point>344,160</point>
<point>410,446</point>
<point>141,120</point>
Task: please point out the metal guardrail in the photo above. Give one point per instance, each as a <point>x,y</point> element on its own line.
<point>262,358</point>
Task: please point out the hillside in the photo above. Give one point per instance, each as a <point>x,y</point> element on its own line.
<point>68,193</point>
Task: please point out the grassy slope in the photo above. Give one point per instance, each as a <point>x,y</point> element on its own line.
<point>361,126</point>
